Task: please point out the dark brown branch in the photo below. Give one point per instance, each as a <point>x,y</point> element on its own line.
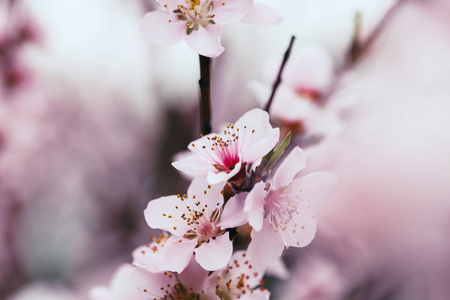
<point>205,94</point>
<point>280,72</point>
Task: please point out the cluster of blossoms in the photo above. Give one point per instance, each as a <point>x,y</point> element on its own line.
<point>234,199</point>
<point>227,192</point>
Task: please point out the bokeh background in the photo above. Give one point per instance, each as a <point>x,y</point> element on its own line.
<point>91,115</point>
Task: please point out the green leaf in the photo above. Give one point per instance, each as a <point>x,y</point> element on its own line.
<point>273,156</point>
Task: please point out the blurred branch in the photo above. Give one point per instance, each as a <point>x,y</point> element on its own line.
<point>358,48</point>
<point>12,3</point>
<point>205,94</point>
<point>280,72</point>
<point>14,206</point>
<point>148,5</point>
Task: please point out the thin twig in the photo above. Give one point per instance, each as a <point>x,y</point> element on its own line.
<point>358,49</point>
<point>355,47</point>
<point>280,72</point>
<point>205,94</point>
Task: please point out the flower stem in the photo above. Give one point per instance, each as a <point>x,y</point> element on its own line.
<point>280,72</point>
<point>205,94</point>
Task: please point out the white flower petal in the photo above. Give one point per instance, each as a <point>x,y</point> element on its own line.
<point>205,41</point>
<point>162,28</point>
<point>215,254</point>
<point>233,212</point>
<point>254,206</point>
<point>292,164</point>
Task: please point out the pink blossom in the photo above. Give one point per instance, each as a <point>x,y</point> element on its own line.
<point>198,22</point>
<point>283,213</point>
<point>239,280</point>
<point>197,223</point>
<point>221,156</point>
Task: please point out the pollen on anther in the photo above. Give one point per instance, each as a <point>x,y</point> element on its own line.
<point>174,227</point>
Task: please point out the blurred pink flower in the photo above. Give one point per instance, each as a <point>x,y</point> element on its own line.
<point>284,213</point>
<point>316,278</point>
<point>196,224</point>
<point>220,157</point>
<point>304,80</point>
<point>198,22</point>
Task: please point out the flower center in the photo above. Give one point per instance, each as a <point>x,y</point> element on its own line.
<point>195,215</point>
<point>280,208</point>
<point>176,292</point>
<point>222,150</point>
<point>195,14</point>
<point>237,280</point>
<point>203,227</point>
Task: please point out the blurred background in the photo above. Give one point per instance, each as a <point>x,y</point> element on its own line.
<point>91,115</point>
